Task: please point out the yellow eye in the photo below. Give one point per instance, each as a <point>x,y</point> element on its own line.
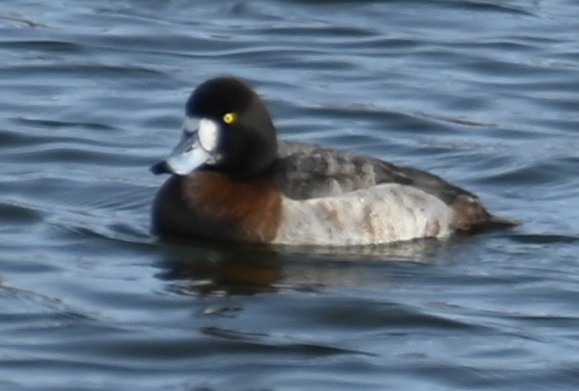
<point>230,118</point>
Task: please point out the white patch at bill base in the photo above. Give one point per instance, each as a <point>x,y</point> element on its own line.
<point>208,134</point>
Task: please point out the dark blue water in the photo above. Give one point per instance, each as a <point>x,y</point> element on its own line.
<point>484,93</point>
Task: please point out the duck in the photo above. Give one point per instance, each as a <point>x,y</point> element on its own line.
<point>232,180</point>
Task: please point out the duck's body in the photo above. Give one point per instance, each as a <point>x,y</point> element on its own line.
<point>247,187</point>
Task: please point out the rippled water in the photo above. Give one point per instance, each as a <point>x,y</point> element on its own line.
<point>484,93</point>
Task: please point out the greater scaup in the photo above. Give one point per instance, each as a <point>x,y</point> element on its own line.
<point>232,180</point>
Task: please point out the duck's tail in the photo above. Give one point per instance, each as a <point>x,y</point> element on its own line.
<point>495,222</point>
<point>471,216</point>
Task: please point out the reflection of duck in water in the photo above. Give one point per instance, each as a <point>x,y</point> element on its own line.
<point>212,268</point>
<point>233,180</point>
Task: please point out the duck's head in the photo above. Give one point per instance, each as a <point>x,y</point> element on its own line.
<point>227,129</point>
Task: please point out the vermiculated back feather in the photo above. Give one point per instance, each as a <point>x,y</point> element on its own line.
<point>306,171</point>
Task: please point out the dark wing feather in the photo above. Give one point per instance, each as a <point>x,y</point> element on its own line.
<point>308,171</point>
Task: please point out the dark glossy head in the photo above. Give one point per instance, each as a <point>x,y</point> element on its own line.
<point>227,129</point>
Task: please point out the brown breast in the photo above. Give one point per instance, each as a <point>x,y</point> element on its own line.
<point>210,204</point>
